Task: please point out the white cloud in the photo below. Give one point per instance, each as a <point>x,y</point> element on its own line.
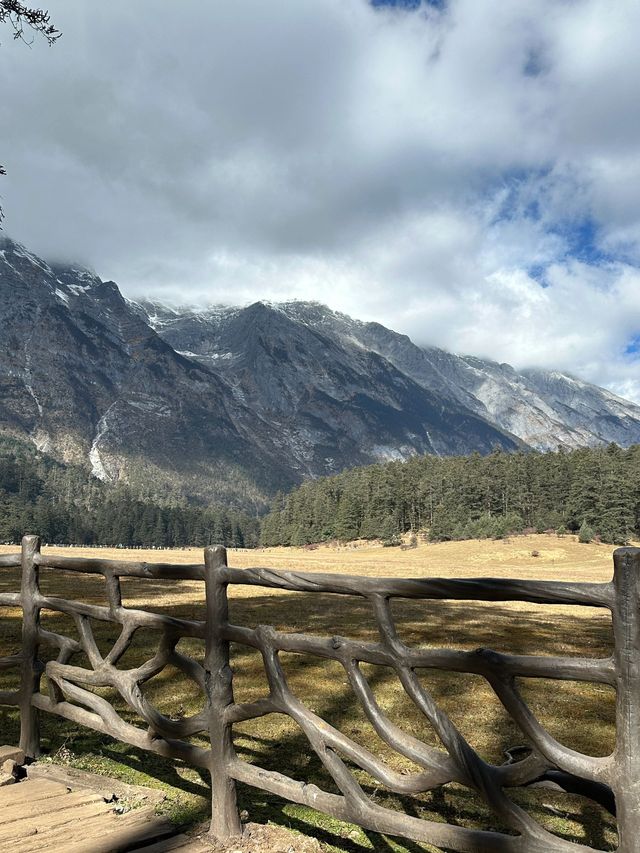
<point>430,170</point>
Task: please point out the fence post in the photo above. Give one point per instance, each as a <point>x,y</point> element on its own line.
<point>225,820</point>
<point>626,631</point>
<point>30,668</point>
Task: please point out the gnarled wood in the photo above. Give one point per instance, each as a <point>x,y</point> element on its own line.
<point>465,589</point>
<point>31,671</point>
<point>625,777</point>
<point>71,695</point>
<point>225,820</point>
<point>121,568</point>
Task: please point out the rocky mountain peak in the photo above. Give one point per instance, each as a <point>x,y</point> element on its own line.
<point>230,403</point>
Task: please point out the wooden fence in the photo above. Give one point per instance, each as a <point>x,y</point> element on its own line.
<point>615,778</point>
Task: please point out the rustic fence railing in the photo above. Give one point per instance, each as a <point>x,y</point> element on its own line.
<point>611,779</point>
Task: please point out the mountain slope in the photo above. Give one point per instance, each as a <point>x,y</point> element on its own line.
<point>333,403</point>
<point>545,409</point>
<point>88,380</point>
<point>229,405</point>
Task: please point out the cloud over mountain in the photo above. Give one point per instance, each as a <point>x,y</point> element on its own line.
<point>464,172</point>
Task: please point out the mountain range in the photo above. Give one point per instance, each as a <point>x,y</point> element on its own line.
<point>229,404</point>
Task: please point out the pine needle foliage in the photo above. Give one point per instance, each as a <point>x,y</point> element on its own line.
<point>467,497</point>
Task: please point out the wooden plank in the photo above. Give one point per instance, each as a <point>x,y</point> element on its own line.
<point>76,779</point>
<point>107,833</point>
<point>126,833</point>
<point>13,813</point>
<point>61,838</point>
<point>43,815</point>
<point>43,823</point>
<point>26,791</point>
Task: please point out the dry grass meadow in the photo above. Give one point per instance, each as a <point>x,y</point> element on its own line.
<point>581,716</point>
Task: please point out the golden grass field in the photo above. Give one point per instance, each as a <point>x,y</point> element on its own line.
<point>581,716</point>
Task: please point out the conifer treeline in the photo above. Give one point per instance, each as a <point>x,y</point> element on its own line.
<point>65,504</point>
<point>450,498</point>
<point>467,497</point>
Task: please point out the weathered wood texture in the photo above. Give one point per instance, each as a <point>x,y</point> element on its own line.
<point>48,816</point>
<point>613,781</point>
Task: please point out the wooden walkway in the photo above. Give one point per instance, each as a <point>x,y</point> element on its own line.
<point>39,814</point>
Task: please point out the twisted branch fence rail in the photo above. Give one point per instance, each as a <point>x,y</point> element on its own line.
<point>615,777</point>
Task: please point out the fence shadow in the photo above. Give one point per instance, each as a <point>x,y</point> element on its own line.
<point>277,744</point>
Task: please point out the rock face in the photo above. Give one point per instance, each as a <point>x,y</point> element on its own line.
<point>230,404</point>
<point>86,378</point>
<point>544,409</point>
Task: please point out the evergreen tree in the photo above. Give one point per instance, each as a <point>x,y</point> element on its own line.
<point>616,514</point>
<point>585,534</point>
<point>472,496</point>
<point>348,516</point>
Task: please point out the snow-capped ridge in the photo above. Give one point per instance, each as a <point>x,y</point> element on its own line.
<point>545,409</point>
<point>224,399</point>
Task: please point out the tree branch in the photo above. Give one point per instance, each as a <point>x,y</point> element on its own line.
<point>19,17</point>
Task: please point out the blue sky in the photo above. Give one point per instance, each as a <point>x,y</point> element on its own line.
<point>465,172</point>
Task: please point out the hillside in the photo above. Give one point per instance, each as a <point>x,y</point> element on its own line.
<point>65,504</point>
<point>230,405</point>
<point>544,409</point>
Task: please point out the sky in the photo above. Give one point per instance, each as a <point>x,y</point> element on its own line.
<point>462,171</point>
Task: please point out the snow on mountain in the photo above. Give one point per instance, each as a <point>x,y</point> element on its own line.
<point>232,403</point>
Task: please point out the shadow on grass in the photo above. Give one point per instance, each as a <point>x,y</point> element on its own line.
<point>276,743</point>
